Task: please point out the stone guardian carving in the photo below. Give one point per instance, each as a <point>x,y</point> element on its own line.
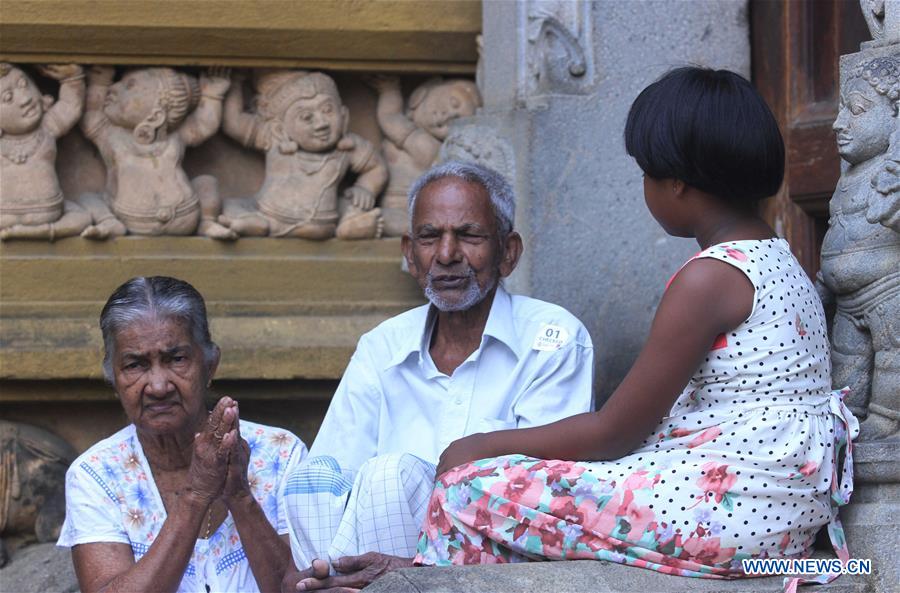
<point>861,251</point>
<point>301,125</point>
<point>883,20</point>
<point>412,138</point>
<point>33,464</point>
<point>142,125</point>
<point>31,200</point>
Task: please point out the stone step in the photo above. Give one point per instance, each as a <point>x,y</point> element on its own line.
<point>580,576</point>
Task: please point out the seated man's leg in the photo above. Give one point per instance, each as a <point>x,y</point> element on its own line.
<point>315,497</point>
<point>386,507</point>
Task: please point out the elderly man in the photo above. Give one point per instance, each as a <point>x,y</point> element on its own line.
<point>477,359</point>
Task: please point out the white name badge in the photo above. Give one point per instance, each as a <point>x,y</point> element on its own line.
<point>550,338</point>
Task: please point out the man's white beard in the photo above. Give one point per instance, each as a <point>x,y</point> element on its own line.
<point>474,294</point>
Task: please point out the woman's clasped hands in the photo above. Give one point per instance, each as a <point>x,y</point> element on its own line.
<point>220,458</point>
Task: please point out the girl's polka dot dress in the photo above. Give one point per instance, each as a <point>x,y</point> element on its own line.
<point>749,462</point>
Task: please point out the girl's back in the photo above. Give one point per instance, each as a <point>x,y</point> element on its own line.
<point>779,356</point>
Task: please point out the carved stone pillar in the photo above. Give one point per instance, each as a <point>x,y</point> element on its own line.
<point>861,278</point>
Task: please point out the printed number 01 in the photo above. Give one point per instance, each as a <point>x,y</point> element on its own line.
<point>550,333</point>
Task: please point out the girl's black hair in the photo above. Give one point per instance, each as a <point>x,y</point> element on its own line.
<point>710,129</point>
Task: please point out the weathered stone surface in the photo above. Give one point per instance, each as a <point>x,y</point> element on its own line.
<point>40,568</point>
<point>576,577</point>
<point>869,520</point>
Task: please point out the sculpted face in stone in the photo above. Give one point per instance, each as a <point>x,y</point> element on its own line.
<point>21,104</point>
<point>443,104</point>
<point>864,123</point>
<point>454,251</point>
<point>316,124</point>
<point>131,100</point>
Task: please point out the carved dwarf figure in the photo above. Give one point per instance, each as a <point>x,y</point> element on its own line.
<point>142,125</point>
<point>301,125</point>
<point>861,251</point>
<point>31,200</point>
<point>413,139</point>
<point>33,465</point>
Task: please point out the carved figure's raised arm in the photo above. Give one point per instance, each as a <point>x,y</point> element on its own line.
<point>238,124</point>
<point>389,111</point>
<point>99,79</point>
<point>68,108</point>
<point>205,120</point>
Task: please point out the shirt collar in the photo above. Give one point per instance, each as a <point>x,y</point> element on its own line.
<point>499,326</point>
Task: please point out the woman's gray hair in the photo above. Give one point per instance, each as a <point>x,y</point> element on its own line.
<point>154,297</point>
<point>503,200</point>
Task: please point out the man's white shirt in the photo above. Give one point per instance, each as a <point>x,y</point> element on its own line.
<point>534,366</point>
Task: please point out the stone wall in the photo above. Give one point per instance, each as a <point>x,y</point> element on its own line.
<point>591,245</point>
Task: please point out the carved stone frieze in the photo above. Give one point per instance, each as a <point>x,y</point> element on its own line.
<point>31,200</point>
<point>142,126</point>
<point>556,53</point>
<point>413,137</point>
<point>318,179</point>
<point>300,123</point>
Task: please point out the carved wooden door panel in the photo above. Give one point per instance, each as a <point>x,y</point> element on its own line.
<point>795,48</point>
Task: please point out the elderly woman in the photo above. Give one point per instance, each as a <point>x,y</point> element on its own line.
<point>166,504</point>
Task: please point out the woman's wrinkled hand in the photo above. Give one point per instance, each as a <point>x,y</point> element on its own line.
<point>464,450</point>
<point>212,448</point>
<point>236,483</point>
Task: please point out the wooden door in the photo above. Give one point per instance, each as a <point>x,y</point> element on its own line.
<point>795,49</point>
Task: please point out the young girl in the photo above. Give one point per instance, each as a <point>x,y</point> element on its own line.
<point>722,442</point>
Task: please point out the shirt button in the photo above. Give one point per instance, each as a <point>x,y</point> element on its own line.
<point>458,401</point>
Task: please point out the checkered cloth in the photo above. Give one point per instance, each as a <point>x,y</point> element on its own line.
<point>334,513</point>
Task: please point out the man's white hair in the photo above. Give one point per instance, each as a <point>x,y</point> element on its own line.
<point>503,200</point>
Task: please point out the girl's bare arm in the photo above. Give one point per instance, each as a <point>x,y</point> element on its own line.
<point>706,298</point>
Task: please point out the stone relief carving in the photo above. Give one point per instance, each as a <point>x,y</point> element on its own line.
<point>142,125</point>
<point>482,145</point>
<point>33,464</point>
<point>412,139</point>
<point>554,56</point>
<point>301,125</point>
<point>31,200</point>
<point>860,271</point>
<point>883,19</point>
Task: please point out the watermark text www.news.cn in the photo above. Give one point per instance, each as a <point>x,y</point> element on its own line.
<point>775,566</point>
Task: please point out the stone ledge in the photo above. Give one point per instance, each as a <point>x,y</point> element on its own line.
<point>279,308</point>
<point>397,35</point>
<point>580,576</point>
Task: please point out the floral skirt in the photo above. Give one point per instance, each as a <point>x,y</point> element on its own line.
<point>516,508</point>
<point>688,502</point>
